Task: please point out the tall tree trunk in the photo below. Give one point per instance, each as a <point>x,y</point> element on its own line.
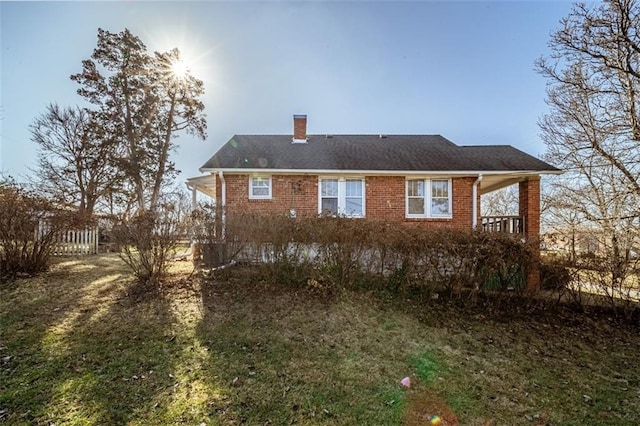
<point>164,154</point>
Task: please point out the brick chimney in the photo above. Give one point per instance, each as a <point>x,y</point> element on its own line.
<point>299,128</point>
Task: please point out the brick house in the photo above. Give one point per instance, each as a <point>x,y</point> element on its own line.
<point>409,179</point>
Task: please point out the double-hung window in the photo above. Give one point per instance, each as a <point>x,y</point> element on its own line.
<point>430,198</point>
<point>259,188</point>
<point>341,197</point>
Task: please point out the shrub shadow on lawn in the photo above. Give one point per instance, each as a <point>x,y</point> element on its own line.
<point>100,353</point>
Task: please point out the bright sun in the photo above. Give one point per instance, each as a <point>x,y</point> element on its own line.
<point>179,69</point>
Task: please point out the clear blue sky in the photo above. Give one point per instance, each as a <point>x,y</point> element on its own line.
<point>464,70</point>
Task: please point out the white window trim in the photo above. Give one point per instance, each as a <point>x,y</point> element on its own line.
<point>427,198</point>
<point>342,194</point>
<point>260,197</point>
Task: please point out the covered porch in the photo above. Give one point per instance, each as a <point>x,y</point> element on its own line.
<point>521,212</point>
<point>203,184</point>
<point>527,220</point>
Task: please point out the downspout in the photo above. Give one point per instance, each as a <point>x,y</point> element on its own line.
<point>474,203</point>
<point>223,206</point>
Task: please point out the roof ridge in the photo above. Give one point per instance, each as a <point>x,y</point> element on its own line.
<point>345,134</point>
<point>487,145</point>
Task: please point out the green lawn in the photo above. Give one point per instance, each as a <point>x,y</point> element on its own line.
<point>82,345</point>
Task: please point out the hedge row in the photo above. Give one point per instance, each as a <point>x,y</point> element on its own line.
<point>330,253</point>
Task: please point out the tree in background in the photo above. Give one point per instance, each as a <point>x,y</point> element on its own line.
<point>593,128</point>
<point>503,202</point>
<point>593,76</point>
<point>142,101</point>
<point>75,160</point>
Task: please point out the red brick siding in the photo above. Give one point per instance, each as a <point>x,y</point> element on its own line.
<point>287,192</point>
<point>384,198</point>
<point>463,202</point>
<point>529,200</point>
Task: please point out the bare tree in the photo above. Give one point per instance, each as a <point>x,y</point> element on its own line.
<point>593,77</point>
<point>503,202</point>
<point>561,222</point>
<point>75,161</point>
<point>593,128</point>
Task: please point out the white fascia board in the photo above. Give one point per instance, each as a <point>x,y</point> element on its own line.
<point>380,172</point>
<point>201,179</point>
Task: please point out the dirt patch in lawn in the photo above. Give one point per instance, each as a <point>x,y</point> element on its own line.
<point>426,407</point>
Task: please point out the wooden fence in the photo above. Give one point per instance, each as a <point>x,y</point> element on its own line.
<point>72,242</point>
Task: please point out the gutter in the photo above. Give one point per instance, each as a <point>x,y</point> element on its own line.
<point>474,202</point>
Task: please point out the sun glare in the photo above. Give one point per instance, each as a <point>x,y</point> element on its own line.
<point>179,69</point>
<point>193,58</point>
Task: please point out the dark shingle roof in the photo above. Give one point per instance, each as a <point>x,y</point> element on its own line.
<point>504,158</point>
<point>369,152</point>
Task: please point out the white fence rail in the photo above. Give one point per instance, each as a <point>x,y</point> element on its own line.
<point>72,242</point>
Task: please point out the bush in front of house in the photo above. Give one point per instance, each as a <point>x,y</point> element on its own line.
<point>555,274</point>
<point>335,252</point>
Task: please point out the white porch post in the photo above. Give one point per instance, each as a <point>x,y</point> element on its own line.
<point>474,202</point>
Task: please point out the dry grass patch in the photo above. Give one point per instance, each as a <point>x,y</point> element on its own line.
<point>292,356</point>
<point>83,345</point>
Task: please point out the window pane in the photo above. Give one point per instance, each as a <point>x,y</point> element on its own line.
<point>440,207</point>
<point>260,192</point>
<point>354,188</point>
<point>329,206</point>
<point>415,188</point>
<point>353,206</point>
<point>260,182</point>
<point>440,188</point>
<point>416,205</point>
<point>329,188</point>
